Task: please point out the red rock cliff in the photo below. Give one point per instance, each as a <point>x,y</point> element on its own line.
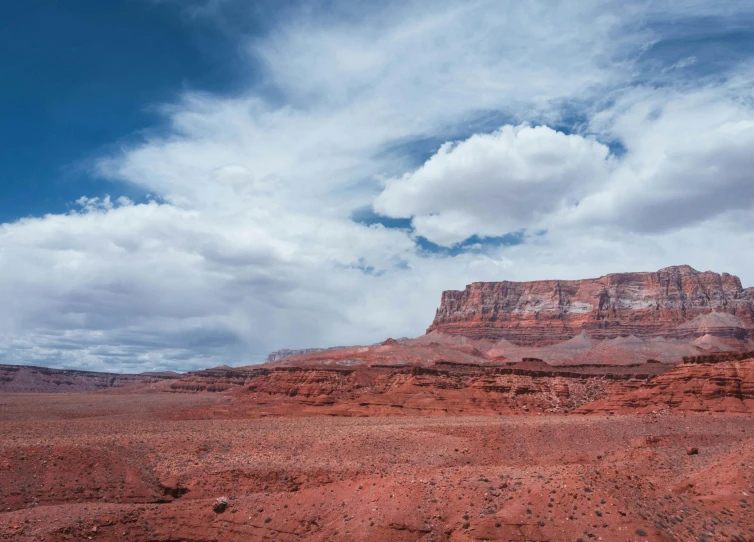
<point>678,302</point>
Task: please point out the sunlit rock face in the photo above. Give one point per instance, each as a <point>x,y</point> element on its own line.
<point>675,302</point>
<point>716,383</point>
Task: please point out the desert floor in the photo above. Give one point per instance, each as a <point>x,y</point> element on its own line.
<point>150,466</point>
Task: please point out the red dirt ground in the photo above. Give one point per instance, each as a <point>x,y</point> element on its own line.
<point>146,465</point>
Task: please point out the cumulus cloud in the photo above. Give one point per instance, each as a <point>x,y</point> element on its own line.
<point>689,157</point>
<point>491,184</point>
<point>250,245</point>
<point>156,283</point>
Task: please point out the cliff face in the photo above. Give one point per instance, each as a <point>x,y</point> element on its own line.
<point>718,386</point>
<point>675,302</point>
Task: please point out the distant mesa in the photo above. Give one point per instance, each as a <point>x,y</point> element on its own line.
<point>286,353</point>
<point>278,355</point>
<point>618,319</point>
<point>672,303</point>
<point>31,379</point>
<point>628,325</point>
<point>676,339</point>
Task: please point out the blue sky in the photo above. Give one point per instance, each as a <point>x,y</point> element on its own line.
<point>82,76</point>
<point>185,184</point>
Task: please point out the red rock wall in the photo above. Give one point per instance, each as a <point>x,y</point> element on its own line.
<point>416,390</point>
<point>717,387</point>
<point>642,304</point>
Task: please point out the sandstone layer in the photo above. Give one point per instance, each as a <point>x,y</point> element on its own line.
<point>446,389</point>
<point>700,384</point>
<point>675,303</point>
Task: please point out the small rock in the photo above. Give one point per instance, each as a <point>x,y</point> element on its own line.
<point>692,451</point>
<point>220,505</point>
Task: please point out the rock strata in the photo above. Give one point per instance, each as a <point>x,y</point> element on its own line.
<point>716,386</point>
<point>447,388</point>
<point>675,302</point>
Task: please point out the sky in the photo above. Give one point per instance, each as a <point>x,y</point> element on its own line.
<point>190,183</point>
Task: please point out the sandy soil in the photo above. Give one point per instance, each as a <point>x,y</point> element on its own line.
<point>131,466</point>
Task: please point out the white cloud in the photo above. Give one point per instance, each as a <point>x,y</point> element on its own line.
<point>689,157</point>
<point>448,58</point>
<point>492,184</point>
<point>253,248</point>
<point>156,280</point>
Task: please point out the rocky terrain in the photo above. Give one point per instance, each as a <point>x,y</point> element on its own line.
<point>625,318</point>
<point>145,465</point>
<point>452,452</point>
<point>446,389</point>
<point>723,383</point>
<point>24,378</point>
<point>437,346</point>
<point>630,421</point>
<point>675,302</point>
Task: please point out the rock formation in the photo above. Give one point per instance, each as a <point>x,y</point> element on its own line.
<point>722,383</point>
<point>272,451</point>
<point>277,355</point>
<point>26,378</point>
<point>446,388</point>
<point>675,302</point>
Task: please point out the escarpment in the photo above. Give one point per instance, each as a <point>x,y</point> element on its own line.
<point>675,302</point>
<point>723,383</point>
